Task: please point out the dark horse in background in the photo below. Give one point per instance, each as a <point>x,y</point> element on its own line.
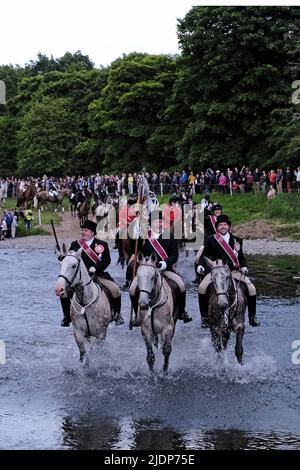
<point>226,308</point>
<point>25,198</point>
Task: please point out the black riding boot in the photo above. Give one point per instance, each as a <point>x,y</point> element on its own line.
<point>182,314</point>
<point>116,242</point>
<point>66,305</point>
<point>135,304</point>
<point>253,321</point>
<point>203,310</point>
<point>129,272</point>
<point>116,305</point>
<point>197,277</point>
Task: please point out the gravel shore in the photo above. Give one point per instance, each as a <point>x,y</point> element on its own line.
<point>251,247</point>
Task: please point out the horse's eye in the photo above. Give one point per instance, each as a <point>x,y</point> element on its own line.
<point>74,266</point>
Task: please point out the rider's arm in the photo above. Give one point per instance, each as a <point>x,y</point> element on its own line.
<point>173,253</point>
<point>207,252</point>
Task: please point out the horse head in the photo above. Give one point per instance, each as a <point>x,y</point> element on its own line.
<point>70,273</point>
<point>147,275</point>
<point>221,279</point>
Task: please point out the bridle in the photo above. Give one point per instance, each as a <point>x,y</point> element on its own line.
<point>235,302</point>
<point>70,282</point>
<point>156,276</point>
<point>227,269</point>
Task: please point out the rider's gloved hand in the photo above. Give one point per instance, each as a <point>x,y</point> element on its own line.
<point>92,270</point>
<point>162,265</point>
<point>200,270</point>
<point>244,270</point>
<point>59,254</point>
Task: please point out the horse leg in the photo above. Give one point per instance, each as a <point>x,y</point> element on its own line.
<point>150,354</point>
<point>79,338</point>
<point>166,350</point>
<point>239,343</point>
<point>225,337</point>
<point>216,339</point>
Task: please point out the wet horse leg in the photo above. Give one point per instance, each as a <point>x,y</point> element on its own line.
<point>225,337</point>
<point>150,354</point>
<point>216,339</point>
<point>240,330</point>
<point>166,350</point>
<point>79,338</point>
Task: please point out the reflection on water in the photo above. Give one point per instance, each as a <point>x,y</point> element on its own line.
<point>128,434</point>
<point>274,275</point>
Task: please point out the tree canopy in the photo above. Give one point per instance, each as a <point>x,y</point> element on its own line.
<point>224,101</point>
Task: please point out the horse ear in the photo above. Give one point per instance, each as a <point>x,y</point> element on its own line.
<point>64,249</point>
<point>153,257</point>
<point>78,253</point>
<point>209,262</point>
<point>140,257</point>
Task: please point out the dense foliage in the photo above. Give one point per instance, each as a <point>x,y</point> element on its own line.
<point>225,101</point>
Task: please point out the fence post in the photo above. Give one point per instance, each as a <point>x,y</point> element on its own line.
<point>161,189</point>
<point>40,216</point>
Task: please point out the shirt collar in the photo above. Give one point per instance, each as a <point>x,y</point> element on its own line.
<point>90,241</point>
<point>226,237</point>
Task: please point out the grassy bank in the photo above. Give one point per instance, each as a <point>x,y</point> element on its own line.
<point>282,212</point>
<point>37,229</point>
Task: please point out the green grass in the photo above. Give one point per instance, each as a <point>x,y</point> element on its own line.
<point>283,211</point>
<point>240,208</point>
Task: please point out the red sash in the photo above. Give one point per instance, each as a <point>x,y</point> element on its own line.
<point>157,246</point>
<point>213,220</point>
<point>91,254</point>
<point>227,248</point>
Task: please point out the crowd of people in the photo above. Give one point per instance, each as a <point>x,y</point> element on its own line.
<point>244,180</point>
<point>11,219</point>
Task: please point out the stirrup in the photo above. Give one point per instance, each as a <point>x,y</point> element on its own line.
<point>135,323</point>
<point>65,322</point>
<point>186,318</point>
<point>119,320</point>
<point>253,321</point>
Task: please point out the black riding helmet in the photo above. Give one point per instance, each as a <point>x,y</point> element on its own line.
<point>216,206</point>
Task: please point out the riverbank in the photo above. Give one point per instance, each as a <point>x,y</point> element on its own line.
<point>264,240</point>
<point>251,247</point>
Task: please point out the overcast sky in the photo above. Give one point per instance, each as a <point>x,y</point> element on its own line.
<point>103,29</point>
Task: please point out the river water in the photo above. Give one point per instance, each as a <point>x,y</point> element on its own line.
<point>48,400</point>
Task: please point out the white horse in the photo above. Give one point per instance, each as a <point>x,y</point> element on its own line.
<point>155,309</point>
<point>90,309</point>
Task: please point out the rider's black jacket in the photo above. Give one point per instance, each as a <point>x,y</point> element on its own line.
<point>213,250</point>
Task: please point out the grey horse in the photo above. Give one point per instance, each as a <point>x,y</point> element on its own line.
<point>90,308</point>
<point>155,309</point>
<point>226,308</point>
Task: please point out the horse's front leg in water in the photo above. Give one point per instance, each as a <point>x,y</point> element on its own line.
<point>240,330</point>
<point>150,354</point>
<point>166,350</point>
<point>79,338</point>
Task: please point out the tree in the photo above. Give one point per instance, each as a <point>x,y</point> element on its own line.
<point>47,137</point>
<point>239,61</point>
<point>127,120</point>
